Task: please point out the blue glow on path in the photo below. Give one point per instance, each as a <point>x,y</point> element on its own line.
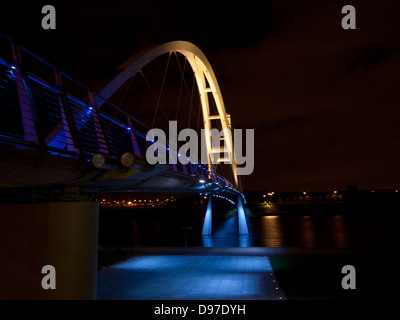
<point>179,277</point>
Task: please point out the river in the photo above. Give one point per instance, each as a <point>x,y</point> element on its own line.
<point>183,227</point>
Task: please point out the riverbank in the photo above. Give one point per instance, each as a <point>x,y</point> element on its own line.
<point>303,273</point>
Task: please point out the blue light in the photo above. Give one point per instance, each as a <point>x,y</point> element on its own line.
<point>40,82</point>
<point>89,111</point>
<point>243,228</point>
<point>207,226</point>
<point>140,135</point>
<point>13,67</point>
<point>194,277</point>
<point>11,75</point>
<point>128,129</point>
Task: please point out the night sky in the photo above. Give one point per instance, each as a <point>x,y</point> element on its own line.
<point>324,102</point>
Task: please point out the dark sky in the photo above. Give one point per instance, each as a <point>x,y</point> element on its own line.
<point>324,102</point>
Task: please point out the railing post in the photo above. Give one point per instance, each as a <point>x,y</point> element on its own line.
<point>184,168</point>
<point>135,144</point>
<point>28,120</point>
<point>192,169</point>
<point>101,140</point>
<point>68,123</point>
<point>214,177</point>
<point>173,165</point>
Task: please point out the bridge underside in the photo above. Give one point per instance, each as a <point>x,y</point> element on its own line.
<point>35,169</point>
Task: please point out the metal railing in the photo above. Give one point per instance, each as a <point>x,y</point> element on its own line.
<point>43,108</point>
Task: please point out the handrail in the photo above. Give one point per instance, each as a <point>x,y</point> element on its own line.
<point>59,118</point>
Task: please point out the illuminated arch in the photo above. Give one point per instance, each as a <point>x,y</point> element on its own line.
<point>204,75</point>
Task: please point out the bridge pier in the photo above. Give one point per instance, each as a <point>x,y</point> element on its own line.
<point>207,226</point>
<point>243,228</point>
<point>60,234</point>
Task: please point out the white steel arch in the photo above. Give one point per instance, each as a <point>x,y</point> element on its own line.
<point>202,70</point>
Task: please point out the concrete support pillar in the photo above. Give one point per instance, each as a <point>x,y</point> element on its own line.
<point>207,226</point>
<point>61,234</point>
<point>243,229</point>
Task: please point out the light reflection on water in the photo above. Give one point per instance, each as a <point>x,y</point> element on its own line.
<point>301,231</point>
<point>307,232</point>
<point>341,238</point>
<point>265,231</point>
<point>271,231</point>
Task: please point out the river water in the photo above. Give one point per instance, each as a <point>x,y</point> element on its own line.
<point>180,228</point>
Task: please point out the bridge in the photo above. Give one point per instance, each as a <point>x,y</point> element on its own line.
<point>62,141</point>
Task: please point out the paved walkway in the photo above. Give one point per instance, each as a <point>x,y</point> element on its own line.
<point>193,277</point>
